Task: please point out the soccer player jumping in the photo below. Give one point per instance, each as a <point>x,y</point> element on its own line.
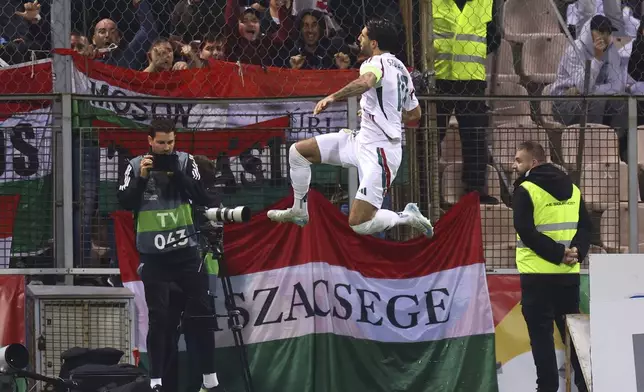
<point>387,100</point>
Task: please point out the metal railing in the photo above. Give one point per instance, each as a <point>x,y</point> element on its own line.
<point>64,156</point>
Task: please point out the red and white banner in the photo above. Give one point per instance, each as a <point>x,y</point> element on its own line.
<point>343,311</point>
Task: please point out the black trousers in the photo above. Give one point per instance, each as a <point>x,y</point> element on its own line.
<point>473,121</point>
<point>192,382</point>
<point>158,279</point>
<point>543,303</point>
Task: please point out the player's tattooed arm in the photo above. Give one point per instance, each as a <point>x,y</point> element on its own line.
<point>357,87</point>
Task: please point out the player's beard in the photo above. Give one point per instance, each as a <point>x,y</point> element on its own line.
<point>366,51</point>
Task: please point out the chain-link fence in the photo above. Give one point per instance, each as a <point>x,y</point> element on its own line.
<point>164,35</point>
<point>499,68</point>
<point>516,40</point>
<point>245,160</point>
<point>482,159</point>
<point>242,149</point>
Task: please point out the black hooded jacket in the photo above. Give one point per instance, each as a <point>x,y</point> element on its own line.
<point>559,185</point>
<point>636,61</point>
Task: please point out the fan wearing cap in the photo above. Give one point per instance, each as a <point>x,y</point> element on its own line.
<point>607,77</point>
<point>245,42</point>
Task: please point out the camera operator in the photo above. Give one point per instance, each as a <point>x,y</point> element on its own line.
<point>160,188</point>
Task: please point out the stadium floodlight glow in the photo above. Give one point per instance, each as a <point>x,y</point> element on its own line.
<point>13,357</point>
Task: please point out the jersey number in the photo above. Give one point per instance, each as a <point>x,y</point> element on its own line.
<point>160,241</point>
<point>403,91</point>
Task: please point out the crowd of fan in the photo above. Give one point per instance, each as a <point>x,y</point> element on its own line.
<point>161,35</point>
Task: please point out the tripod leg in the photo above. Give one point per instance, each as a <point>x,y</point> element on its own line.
<point>235,324</point>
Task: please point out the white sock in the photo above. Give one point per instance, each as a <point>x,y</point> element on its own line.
<point>154,382</point>
<point>300,177</point>
<point>210,380</point>
<point>383,220</point>
<point>388,219</point>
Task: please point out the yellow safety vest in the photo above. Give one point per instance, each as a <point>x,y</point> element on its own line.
<point>460,39</point>
<point>557,220</point>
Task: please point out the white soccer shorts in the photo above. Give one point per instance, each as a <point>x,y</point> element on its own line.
<point>377,166</point>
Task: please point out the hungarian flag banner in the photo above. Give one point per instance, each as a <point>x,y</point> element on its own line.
<point>25,178</point>
<point>325,309</point>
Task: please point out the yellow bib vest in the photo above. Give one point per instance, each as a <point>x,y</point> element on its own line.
<point>460,39</point>
<point>557,220</point>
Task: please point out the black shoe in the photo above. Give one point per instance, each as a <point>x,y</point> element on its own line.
<point>487,199</point>
<point>157,388</point>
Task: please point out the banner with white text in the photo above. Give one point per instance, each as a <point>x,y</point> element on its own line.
<point>361,314</point>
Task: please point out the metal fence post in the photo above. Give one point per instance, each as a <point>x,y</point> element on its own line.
<point>60,38</point>
<point>62,143</point>
<point>633,184</point>
<point>352,122</point>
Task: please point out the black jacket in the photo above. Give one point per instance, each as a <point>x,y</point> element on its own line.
<point>559,185</point>
<point>636,61</point>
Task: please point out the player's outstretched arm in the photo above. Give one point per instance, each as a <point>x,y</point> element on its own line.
<point>362,84</point>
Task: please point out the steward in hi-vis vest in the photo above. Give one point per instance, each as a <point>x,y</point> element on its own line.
<point>553,238</point>
<point>465,34</point>
<point>460,38</point>
<point>160,188</point>
<point>557,220</point>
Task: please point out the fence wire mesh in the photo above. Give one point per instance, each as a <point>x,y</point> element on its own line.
<point>601,174</point>
<point>517,55</point>
<point>165,35</point>
<point>26,200</point>
<point>242,151</point>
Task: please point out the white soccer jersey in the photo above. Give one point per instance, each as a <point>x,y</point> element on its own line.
<point>382,105</point>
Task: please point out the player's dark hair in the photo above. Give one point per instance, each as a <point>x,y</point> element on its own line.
<point>160,124</point>
<point>384,32</point>
<point>535,149</point>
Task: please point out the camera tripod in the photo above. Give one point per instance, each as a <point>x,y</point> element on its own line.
<point>213,232</point>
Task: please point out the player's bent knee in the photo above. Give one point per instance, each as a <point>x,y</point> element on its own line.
<point>307,149</point>
<point>295,159</point>
<point>364,228</point>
